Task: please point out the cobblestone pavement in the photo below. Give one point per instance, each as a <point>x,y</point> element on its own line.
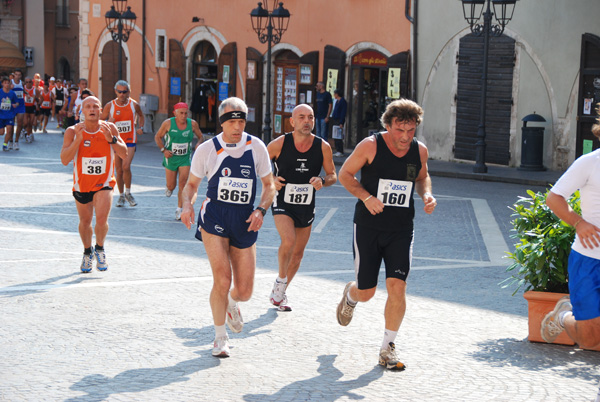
<point>142,331</point>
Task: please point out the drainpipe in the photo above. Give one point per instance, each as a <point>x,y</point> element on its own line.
<point>144,46</point>
<point>413,20</point>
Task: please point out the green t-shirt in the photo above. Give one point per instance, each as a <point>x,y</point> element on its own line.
<point>179,142</point>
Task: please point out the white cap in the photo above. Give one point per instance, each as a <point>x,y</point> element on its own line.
<point>52,79</point>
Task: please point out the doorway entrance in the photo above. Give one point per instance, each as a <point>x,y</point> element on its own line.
<point>367,100</point>
<point>204,98</point>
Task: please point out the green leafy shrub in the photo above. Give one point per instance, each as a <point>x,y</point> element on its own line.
<point>543,245</point>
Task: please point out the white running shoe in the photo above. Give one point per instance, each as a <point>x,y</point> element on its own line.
<point>345,310</point>
<point>389,359</point>
<point>168,192</point>
<point>86,263</point>
<point>221,347</point>
<point>551,328</point>
<point>178,214</point>
<point>121,201</point>
<point>16,146</point>
<point>101,264</point>
<point>130,199</point>
<point>235,322</point>
<point>278,292</point>
<point>284,305</point>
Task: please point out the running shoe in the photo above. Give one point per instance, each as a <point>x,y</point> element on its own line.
<point>168,192</point>
<point>86,263</point>
<point>551,327</point>
<point>5,147</point>
<point>235,322</point>
<point>344,309</point>
<point>28,138</point>
<point>338,154</point>
<point>278,292</point>
<point>130,199</point>
<point>16,146</point>
<point>221,347</point>
<point>101,264</point>
<point>284,305</point>
<point>178,214</point>
<point>121,201</point>
<point>389,359</point>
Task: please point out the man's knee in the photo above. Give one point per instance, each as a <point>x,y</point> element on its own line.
<point>221,285</point>
<point>365,294</point>
<point>244,292</point>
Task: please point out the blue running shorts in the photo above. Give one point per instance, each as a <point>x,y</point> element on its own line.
<point>584,286</point>
<point>227,221</point>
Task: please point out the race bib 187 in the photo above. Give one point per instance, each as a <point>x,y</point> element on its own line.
<point>234,190</point>
<point>394,193</point>
<point>301,194</point>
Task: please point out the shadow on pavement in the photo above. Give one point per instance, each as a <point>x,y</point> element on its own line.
<point>565,360</point>
<point>16,292</point>
<point>312,388</point>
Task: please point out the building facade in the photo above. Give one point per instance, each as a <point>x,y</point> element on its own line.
<point>547,62</point>
<point>45,33</point>
<point>203,51</point>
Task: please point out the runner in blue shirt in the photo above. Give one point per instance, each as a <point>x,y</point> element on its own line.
<point>8,107</point>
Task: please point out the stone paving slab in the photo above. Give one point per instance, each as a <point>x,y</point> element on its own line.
<point>142,331</point>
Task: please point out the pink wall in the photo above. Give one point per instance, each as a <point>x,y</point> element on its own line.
<point>313,25</point>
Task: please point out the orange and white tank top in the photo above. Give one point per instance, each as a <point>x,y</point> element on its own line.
<point>94,163</point>
<point>29,95</point>
<point>46,100</point>
<point>124,118</point>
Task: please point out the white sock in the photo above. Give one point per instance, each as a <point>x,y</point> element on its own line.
<point>282,280</point>
<point>220,331</point>
<point>231,301</point>
<point>562,316</point>
<point>127,190</point>
<point>351,301</point>
<point>388,336</point>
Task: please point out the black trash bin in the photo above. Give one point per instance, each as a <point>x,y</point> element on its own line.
<point>532,149</point>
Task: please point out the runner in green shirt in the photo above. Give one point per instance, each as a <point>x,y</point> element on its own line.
<point>174,138</point>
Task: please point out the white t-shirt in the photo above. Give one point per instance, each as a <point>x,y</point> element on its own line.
<point>583,175</point>
<point>204,162</point>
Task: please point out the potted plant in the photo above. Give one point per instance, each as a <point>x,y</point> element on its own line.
<point>540,259</point>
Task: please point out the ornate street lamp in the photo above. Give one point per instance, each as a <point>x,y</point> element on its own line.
<point>473,10</point>
<point>270,27</point>
<point>120,21</point>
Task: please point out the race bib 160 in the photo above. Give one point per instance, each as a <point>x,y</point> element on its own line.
<point>394,193</point>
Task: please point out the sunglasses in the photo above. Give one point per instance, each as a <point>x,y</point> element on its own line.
<point>123,92</point>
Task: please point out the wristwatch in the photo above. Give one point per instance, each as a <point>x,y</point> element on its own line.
<point>114,139</point>
<point>162,149</point>
<point>262,210</point>
<point>322,179</point>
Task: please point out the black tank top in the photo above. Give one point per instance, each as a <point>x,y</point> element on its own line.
<point>391,179</point>
<point>298,168</point>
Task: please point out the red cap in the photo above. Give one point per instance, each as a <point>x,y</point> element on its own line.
<point>180,105</point>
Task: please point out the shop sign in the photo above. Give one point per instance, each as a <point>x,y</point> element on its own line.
<point>369,58</point>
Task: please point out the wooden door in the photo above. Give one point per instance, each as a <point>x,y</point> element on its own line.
<point>110,70</point>
<point>589,94</point>
<point>176,70</point>
<point>254,93</point>
<point>501,63</point>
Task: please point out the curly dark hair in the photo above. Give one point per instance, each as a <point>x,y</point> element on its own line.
<point>596,127</point>
<point>403,110</point>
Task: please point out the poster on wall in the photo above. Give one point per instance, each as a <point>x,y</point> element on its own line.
<point>175,86</point>
<point>587,105</point>
<point>393,83</point>
<point>278,123</point>
<point>332,76</point>
<point>226,74</point>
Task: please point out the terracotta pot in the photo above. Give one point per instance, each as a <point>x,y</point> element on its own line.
<point>540,304</point>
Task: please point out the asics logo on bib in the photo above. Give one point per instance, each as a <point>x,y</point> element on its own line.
<point>237,184</point>
<point>392,186</point>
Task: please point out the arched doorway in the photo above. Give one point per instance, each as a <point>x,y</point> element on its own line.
<point>110,69</point>
<point>64,69</point>
<point>204,88</point>
<point>367,98</point>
